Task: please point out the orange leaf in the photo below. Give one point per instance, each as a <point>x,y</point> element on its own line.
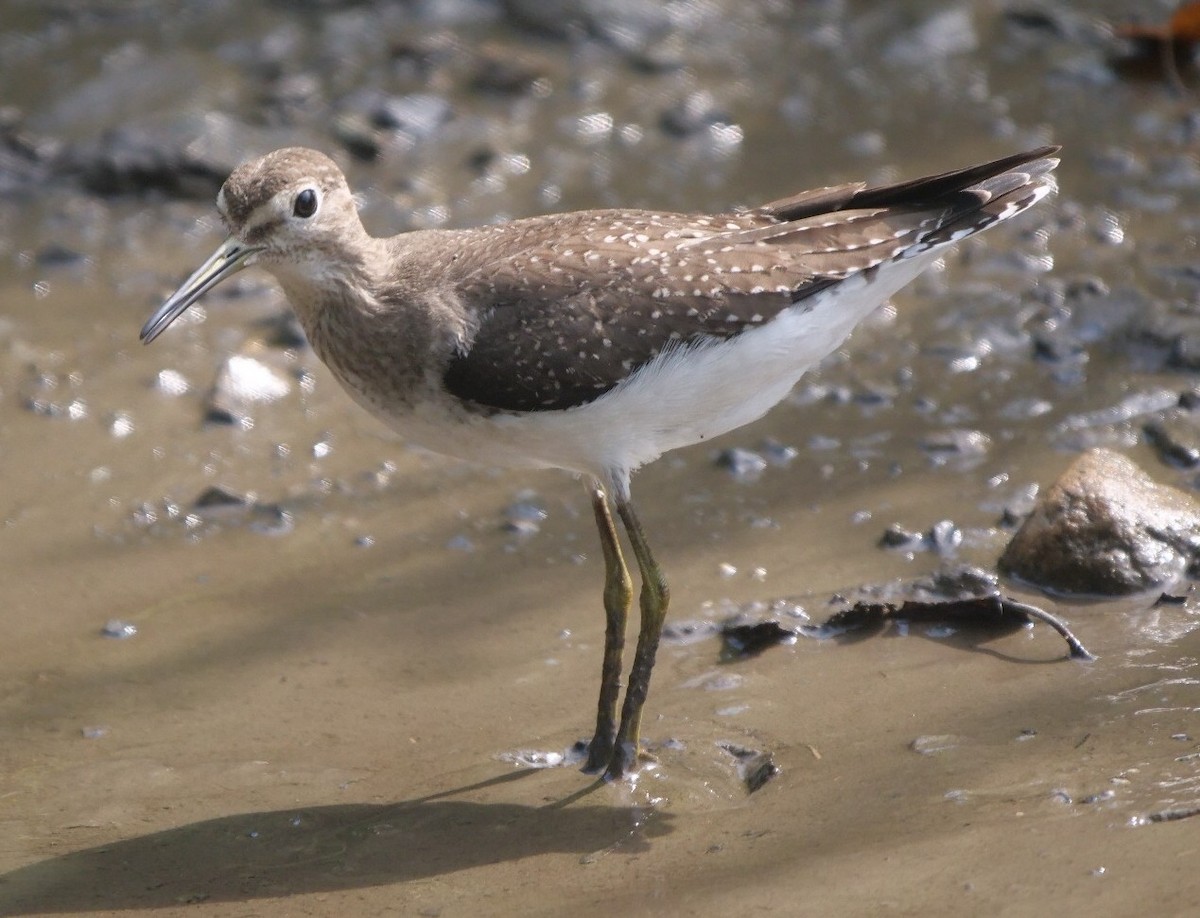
<point>1185,23</point>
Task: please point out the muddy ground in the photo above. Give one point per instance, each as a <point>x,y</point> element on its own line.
<point>319,701</point>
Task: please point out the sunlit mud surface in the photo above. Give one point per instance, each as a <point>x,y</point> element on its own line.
<point>262,657</point>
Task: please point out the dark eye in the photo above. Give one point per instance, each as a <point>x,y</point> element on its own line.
<point>306,204</point>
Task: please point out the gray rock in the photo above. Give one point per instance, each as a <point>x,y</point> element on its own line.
<point>1105,528</point>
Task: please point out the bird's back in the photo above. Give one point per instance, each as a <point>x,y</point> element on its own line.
<point>563,309</point>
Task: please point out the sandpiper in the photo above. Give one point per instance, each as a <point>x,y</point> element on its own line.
<point>592,341</point>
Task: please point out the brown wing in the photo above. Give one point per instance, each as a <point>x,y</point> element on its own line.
<point>565,307</point>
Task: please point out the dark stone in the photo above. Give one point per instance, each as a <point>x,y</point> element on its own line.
<point>354,132</point>
<point>754,767</point>
<point>897,537</point>
<point>743,464</point>
<point>418,58</point>
<point>956,444</point>
<point>366,119</point>
<point>25,161</point>
<point>1176,439</point>
<point>1058,347</point>
<point>271,519</point>
<point>523,518</point>
<point>292,98</point>
<point>55,255</point>
<point>943,538</point>
<point>957,581</point>
<point>1189,399</point>
<point>648,34</point>
<point>284,331</point>
<point>217,499</point>
<point>1105,528</point>
<point>506,72</point>
<point>750,640</point>
<point>1045,19</point>
<point>695,112</point>
<point>418,114</point>
<point>1185,352</point>
<point>134,160</point>
<point>778,454</point>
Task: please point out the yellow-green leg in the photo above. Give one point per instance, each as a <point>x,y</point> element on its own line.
<point>654,599</point>
<point>618,595</point>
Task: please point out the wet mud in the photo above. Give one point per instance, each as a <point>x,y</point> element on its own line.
<point>263,657</point>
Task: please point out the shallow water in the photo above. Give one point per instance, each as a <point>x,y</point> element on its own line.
<point>316,710</point>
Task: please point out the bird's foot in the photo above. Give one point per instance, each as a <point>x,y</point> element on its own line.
<point>627,760</point>
<point>599,754</point>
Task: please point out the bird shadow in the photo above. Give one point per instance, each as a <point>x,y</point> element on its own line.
<point>319,849</point>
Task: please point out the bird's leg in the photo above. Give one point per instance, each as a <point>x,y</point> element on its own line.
<point>618,595</point>
<point>654,599</point>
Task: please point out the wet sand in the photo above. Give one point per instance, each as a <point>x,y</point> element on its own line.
<point>320,708</point>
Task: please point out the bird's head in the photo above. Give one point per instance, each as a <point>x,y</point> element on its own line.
<point>290,211</point>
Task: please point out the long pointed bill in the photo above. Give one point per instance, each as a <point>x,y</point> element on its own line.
<point>226,261</point>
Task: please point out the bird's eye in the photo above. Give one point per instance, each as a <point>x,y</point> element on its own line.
<point>306,203</point>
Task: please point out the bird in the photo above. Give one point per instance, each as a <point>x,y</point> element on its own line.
<point>592,341</point>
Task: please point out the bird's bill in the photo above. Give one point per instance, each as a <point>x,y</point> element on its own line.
<point>227,260</point>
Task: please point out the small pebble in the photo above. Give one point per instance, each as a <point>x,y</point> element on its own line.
<point>461,543</point>
<point>171,383</point>
<point>934,743</point>
<point>523,518</point>
<point>216,501</point>
<point>777,453</point>
<point>119,630</point>
<point>534,758</point>
<point>743,464</point>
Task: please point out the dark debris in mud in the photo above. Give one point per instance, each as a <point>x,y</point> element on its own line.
<point>741,641</point>
<point>960,597</point>
<point>1171,814</point>
<point>994,612</point>
<point>753,766</point>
